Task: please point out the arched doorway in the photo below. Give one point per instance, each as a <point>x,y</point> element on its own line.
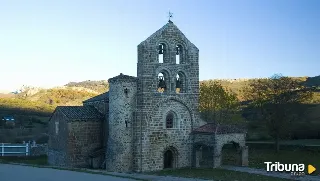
<point>231,154</point>
<point>170,159</point>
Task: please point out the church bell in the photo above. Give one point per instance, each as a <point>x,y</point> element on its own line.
<point>162,83</point>
<point>160,49</point>
<point>178,50</point>
<point>178,84</point>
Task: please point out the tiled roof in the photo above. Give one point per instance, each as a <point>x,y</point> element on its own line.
<point>219,129</point>
<point>80,112</point>
<point>104,96</point>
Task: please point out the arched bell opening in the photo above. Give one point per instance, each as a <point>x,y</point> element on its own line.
<point>179,54</point>
<point>181,83</point>
<point>163,82</point>
<point>162,49</point>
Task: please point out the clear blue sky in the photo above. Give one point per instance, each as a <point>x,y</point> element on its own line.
<point>49,43</point>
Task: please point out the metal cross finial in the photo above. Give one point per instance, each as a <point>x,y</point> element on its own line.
<point>170,15</point>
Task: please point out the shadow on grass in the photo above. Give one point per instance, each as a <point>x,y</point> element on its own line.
<point>293,155</point>
<point>33,160</point>
<point>216,174</point>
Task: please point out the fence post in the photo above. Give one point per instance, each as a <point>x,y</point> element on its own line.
<point>27,149</point>
<point>2,149</point>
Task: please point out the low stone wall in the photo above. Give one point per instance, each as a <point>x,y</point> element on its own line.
<point>39,149</point>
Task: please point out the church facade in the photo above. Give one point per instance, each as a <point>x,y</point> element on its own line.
<point>145,123</point>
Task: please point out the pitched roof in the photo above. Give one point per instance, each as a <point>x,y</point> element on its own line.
<point>219,129</point>
<point>80,112</point>
<point>169,27</point>
<point>103,96</point>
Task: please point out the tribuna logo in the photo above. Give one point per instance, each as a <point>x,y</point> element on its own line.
<point>279,167</point>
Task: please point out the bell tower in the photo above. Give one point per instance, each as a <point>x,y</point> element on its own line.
<point>167,60</point>
<point>167,97</point>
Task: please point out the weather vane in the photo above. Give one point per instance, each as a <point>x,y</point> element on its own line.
<point>170,16</point>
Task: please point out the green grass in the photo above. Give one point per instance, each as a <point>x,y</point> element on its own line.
<point>301,142</point>
<point>33,160</point>
<point>217,174</point>
<point>257,157</point>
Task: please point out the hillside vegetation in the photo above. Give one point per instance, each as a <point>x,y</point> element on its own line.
<point>35,109</point>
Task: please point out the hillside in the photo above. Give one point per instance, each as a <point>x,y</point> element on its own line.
<point>97,86</point>
<point>32,107</point>
<point>236,85</point>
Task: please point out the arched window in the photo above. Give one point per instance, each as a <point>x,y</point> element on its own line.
<point>161,52</point>
<point>170,120</point>
<point>179,54</point>
<point>181,83</point>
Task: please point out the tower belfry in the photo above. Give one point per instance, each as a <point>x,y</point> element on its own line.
<point>167,98</point>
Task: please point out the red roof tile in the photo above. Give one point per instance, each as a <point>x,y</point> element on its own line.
<point>219,129</point>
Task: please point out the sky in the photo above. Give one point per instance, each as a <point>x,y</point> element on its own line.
<point>50,43</point>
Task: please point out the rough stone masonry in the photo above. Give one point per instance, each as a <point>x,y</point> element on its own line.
<point>150,122</point>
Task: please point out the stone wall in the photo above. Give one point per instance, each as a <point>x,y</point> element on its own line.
<point>122,101</point>
<point>39,149</point>
<point>84,137</point>
<point>57,144</point>
<point>223,139</point>
<point>150,135</point>
<point>103,107</point>
<point>158,138</point>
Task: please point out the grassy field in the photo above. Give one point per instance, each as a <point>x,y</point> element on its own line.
<point>302,142</point>
<point>257,156</point>
<point>34,160</point>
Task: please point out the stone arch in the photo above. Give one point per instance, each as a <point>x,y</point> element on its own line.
<point>190,110</point>
<point>166,77</point>
<point>231,153</point>
<point>180,48</point>
<point>203,154</point>
<point>221,142</point>
<point>223,139</point>
<point>170,156</point>
<point>182,80</point>
<point>165,53</point>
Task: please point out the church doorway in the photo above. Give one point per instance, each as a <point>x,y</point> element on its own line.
<point>169,159</point>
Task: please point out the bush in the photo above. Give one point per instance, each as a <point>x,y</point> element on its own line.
<point>43,139</point>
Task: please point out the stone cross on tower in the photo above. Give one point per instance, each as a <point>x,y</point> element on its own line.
<point>170,16</point>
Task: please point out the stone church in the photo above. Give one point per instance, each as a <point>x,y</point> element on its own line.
<point>144,123</point>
